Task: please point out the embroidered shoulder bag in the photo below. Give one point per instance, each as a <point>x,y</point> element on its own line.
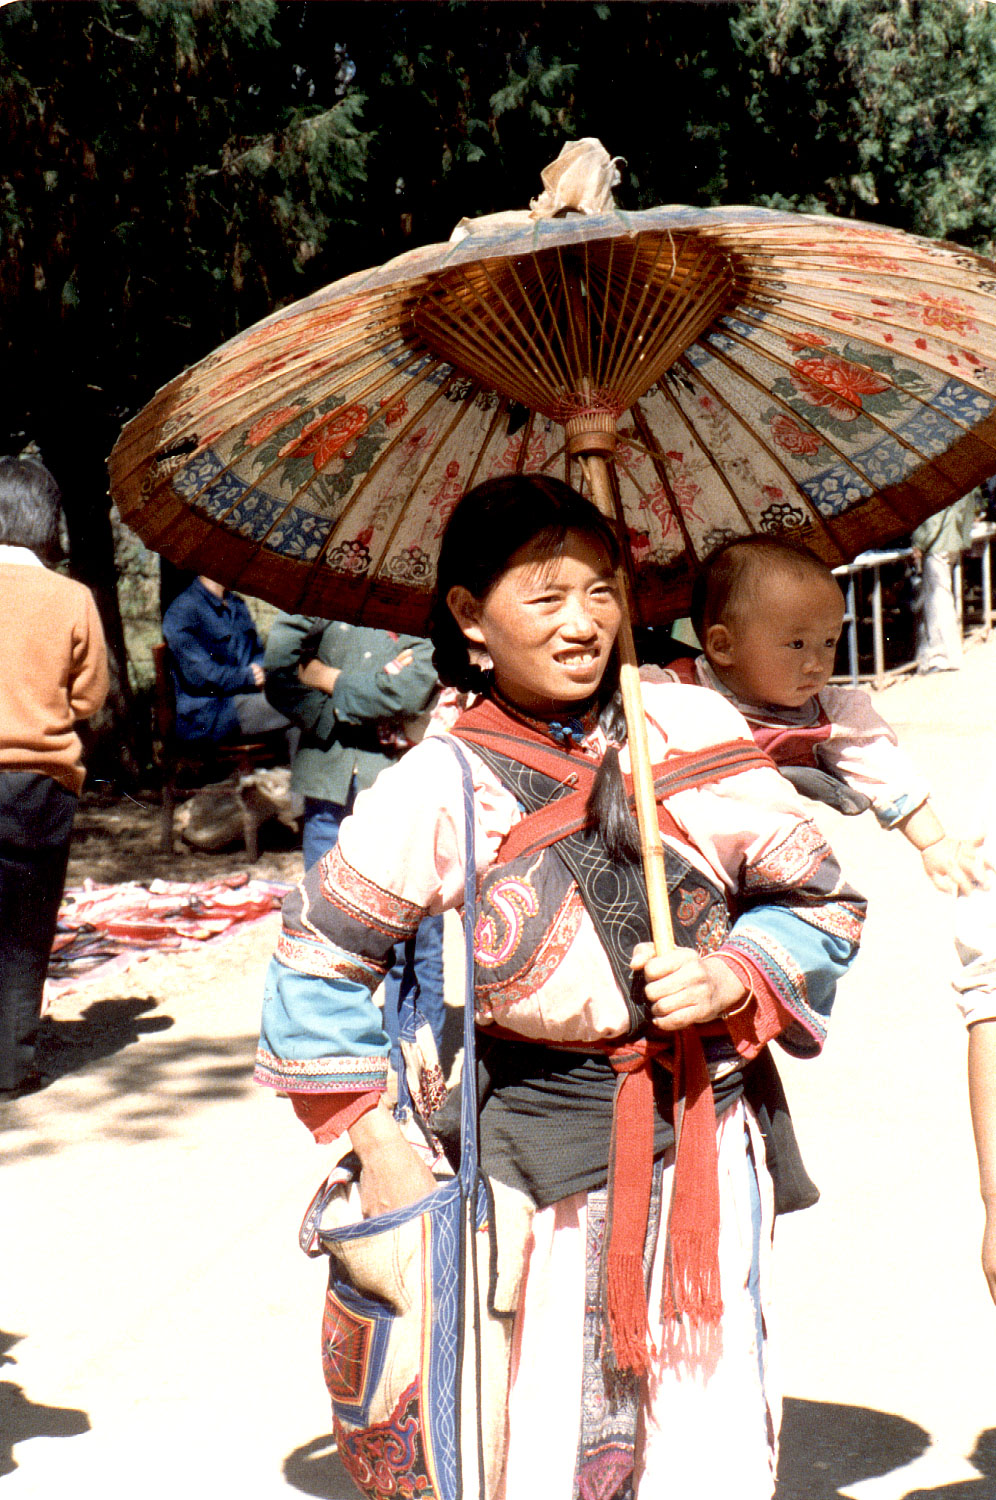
<point>410,1314</point>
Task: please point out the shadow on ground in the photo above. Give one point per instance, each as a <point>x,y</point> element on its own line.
<point>21,1419</point>
<point>315,1469</point>
<point>984,1488</point>
<point>142,1093</point>
<point>103,1028</point>
<point>826,1447</point>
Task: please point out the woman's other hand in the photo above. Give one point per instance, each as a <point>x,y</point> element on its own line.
<point>684,989</point>
<point>392,1173</point>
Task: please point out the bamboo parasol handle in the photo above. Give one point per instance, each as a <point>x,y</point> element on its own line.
<point>651,844</point>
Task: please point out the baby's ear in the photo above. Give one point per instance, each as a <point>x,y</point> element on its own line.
<point>718,645</point>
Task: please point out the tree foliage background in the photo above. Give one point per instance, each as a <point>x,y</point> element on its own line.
<point>172,170</point>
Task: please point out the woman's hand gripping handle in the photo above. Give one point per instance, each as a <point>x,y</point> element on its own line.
<point>684,989</point>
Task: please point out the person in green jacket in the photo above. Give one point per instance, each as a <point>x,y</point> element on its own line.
<point>354,693</point>
<point>349,689</point>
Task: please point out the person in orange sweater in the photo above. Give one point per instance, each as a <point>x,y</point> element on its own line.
<point>53,672</point>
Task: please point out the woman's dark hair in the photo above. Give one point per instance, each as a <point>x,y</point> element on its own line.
<point>29,506</point>
<point>488,526</point>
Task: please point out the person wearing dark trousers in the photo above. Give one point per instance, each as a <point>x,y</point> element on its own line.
<point>53,672</point>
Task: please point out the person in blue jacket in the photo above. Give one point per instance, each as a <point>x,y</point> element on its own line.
<point>217,663</point>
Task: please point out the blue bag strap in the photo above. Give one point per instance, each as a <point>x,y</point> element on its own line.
<point>406,1012</point>
<point>403,1005</point>
<point>468,1112</point>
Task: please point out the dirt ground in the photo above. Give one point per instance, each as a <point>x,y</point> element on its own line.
<point>116,840</point>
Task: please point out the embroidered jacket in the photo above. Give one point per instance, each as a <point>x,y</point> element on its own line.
<point>400,856</point>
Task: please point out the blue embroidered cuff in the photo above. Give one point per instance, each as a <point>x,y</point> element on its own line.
<point>801,963</point>
<point>320,1033</point>
<point>320,1075</point>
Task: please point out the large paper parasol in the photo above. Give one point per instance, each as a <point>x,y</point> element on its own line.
<point>746,370</point>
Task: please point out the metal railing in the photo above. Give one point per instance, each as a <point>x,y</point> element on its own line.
<point>983,533</point>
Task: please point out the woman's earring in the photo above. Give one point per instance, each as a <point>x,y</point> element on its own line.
<point>480,658</point>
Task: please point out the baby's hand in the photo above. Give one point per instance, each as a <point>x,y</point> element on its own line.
<point>956,866</point>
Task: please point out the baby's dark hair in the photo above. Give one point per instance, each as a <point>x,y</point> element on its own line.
<point>488,526</point>
<point>729,584</point>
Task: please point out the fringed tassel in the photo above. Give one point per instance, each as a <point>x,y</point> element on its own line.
<point>691,1277</point>
<point>627,1309</point>
<point>631,1165</point>
<point>691,1301</point>
<point>692,1304</point>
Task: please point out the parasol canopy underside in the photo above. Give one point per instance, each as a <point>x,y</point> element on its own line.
<point>755,371</point>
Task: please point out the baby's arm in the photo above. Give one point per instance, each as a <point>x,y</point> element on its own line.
<point>982,1099</point>
<point>954,865</point>
<point>864,751</point>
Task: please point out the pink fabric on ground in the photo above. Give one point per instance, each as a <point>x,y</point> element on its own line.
<point>103,928</point>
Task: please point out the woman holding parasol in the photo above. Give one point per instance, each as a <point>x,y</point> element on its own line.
<point>638,1273</point>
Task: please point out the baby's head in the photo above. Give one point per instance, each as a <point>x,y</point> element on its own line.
<point>768,614</point>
